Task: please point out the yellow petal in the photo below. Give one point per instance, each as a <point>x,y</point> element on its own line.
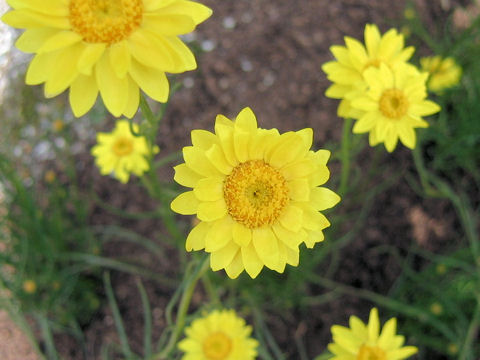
<point>219,235</point>
<point>185,203</point>
<point>251,261</point>
<point>25,19</point>
<point>236,266</point>
<point>119,58</point>
<point>186,176</point>
<point>152,81</point>
<point>148,50</point>
<point>60,40</point>
<point>323,198</point>
<point>89,57</point>
<point>212,210</point>
<point>196,237</point>
<point>266,246</point>
<point>83,93</point>
<point>171,24</point>
<point>32,39</point>
<point>203,139</point>
<point>217,158</point>
<point>291,218</point>
<point>209,189</point>
<point>114,91</point>
<point>133,101</point>
<point>220,259</point>
<point>299,189</point>
<point>240,143</point>
<point>65,70</point>
<point>198,12</point>
<point>40,68</point>
<point>373,325</point>
<point>241,234</point>
<point>289,238</point>
<point>197,161</point>
<point>182,56</point>
<point>246,121</point>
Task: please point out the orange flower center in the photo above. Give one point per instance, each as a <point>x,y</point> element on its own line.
<point>105,21</point>
<point>393,103</point>
<point>255,194</point>
<point>122,146</point>
<point>371,353</point>
<point>217,346</point>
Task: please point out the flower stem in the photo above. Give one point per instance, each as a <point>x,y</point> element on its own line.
<point>345,156</point>
<point>190,285</point>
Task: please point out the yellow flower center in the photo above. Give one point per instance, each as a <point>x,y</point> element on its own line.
<point>371,353</point>
<point>105,21</point>
<point>217,346</point>
<point>393,103</point>
<point>255,194</point>
<point>122,146</point>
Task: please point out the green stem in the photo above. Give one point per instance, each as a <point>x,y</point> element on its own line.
<point>345,156</point>
<point>183,309</point>
<point>471,333</point>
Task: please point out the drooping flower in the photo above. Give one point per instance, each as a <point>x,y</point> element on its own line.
<point>256,193</point>
<point>392,105</point>
<point>121,153</point>
<point>351,61</point>
<point>366,341</point>
<point>111,47</point>
<point>444,72</point>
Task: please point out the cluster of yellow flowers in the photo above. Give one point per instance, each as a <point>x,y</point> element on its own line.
<point>379,88</point>
<point>257,194</point>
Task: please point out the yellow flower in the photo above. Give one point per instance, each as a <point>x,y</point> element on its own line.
<point>366,341</point>
<point>111,47</point>
<point>221,335</point>
<point>444,73</point>
<point>121,153</point>
<point>393,105</point>
<point>29,286</point>
<point>351,61</point>
<point>256,193</point>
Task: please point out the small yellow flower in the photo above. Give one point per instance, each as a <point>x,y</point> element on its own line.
<point>436,308</point>
<point>111,47</point>
<point>121,153</point>
<point>49,176</point>
<point>452,349</point>
<point>256,193</point>
<point>29,286</point>
<point>444,73</point>
<point>58,125</point>
<point>392,106</point>
<point>351,61</point>
<point>221,335</point>
<point>441,269</point>
<point>366,341</point>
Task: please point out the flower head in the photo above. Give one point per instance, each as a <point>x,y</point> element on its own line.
<point>351,61</point>
<point>366,341</point>
<point>122,153</point>
<point>256,193</point>
<point>392,105</point>
<point>111,47</point>
<point>444,73</point>
<point>221,335</point>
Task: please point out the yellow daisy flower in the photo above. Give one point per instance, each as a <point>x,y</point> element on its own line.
<point>256,193</point>
<point>121,153</point>
<point>366,341</point>
<point>221,335</point>
<point>111,47</point>
<point>393,105</point>
<point>351,61</point>
<point>444,73</point>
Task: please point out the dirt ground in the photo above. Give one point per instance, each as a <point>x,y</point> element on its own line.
<point>267,54</point>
